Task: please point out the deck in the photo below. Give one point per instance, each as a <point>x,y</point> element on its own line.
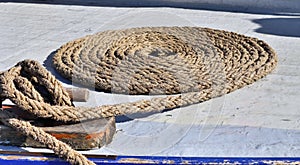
<point>260,120</point>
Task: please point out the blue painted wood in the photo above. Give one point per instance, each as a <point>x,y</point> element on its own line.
<point>48,159</point>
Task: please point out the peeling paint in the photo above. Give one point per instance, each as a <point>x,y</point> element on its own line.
<point>16,157</point>
<point>137,161</point>
<point>280,162</point>
<point>168,162</point>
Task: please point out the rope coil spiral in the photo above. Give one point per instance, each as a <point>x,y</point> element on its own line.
<point>165,60</point>
<point>189,64</point>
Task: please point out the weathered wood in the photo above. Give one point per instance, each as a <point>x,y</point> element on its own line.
<point>84,135</point>
<point>78,94</point>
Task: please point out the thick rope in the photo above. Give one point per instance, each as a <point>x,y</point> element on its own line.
<point>17,85</point>
<point>165,60</point>
<point>63,111</point>
<point>59,148</point>
<point>196,64</point>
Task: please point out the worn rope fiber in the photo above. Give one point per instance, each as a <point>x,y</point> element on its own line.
<point>60,148</point>
<point>22,85</point>
<point>193,64</point>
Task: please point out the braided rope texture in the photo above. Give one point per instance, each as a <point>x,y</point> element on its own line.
<point>21,85</point>
<point>198,63</point>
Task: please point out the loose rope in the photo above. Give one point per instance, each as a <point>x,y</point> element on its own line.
<point>21,85</point>
<point>60,148</point>
<point>195,64</point>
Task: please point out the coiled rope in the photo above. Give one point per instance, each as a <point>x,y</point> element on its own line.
<point>194,63</point>
<point>165,60</point>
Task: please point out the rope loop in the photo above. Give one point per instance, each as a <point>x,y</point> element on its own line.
<point>33,89</point>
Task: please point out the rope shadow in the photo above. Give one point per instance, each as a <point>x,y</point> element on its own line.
<point>186,4</point>
<point>49,66</point>
<point>289,27</point>
<point>11,148</point>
